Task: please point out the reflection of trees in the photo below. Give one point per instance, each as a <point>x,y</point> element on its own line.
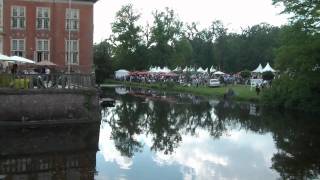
<point>125,123</point>
<point>297,139</point>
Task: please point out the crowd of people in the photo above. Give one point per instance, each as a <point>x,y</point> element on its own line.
<point>187,79</point>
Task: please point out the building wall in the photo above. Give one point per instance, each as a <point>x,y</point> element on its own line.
<point>57,33</point>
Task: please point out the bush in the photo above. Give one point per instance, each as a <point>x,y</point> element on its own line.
<point>293,93</point>
<point>245,74</point>
<point>268,75</point>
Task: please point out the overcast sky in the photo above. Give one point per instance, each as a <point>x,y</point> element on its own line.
<point>235,14</point>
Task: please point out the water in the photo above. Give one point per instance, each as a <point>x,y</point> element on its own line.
<point>152,135</point>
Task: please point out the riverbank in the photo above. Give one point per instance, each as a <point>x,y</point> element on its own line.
<point>242,92</point>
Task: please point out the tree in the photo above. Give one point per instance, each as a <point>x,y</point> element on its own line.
<point>102,61</point>
<point>164,34</point>
<point>306,12</point>
<point>245,74</point>
<point>268,75</point>
<point>126,37</point>
<point>297,59</point>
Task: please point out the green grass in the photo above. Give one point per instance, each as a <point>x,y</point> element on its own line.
<point>242,92</point>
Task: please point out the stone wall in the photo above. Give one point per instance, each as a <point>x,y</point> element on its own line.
<point>43,105</point>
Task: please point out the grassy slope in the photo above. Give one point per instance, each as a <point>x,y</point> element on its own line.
<point>243,92</point>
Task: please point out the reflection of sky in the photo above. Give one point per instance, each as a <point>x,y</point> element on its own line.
<point>238,155</point>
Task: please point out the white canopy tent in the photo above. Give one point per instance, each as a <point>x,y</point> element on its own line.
<point>186,69</point>
<point>165,70</point>
<point>258,69</point>
<point>177,69</point>
<point>21,59</point>
<point>121,73</point>
<point>154,69</point>
<point>212,69</point>
<point>268,68</point>
<point>200,70</point>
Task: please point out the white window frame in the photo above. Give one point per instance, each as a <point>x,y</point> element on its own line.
<point>42,50</point>
<point>20,18</point>
<point>14,50</point>
<point>72,19</point>
<point>41,18</point>
<point>75,53</point>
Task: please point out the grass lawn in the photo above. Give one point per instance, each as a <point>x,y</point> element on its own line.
<point>242,92</point>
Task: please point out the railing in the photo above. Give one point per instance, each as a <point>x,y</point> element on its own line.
<point>44,81</point>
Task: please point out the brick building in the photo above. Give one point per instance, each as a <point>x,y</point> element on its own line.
<point>43,30</point>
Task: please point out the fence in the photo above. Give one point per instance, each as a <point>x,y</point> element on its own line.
<point>51,81</point>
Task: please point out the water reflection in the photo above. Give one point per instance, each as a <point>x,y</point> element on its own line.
<point>212,139</point>
<point>49,153</point>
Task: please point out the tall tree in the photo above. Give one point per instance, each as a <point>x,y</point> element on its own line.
<point>126,36</point>
<point>164,34</point>
<point>102,61</point>
<point>303,11</point>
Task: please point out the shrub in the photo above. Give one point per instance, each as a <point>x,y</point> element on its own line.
<point>268,75</point>
<point>245,74</point>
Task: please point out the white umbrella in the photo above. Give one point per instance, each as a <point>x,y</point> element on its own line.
<point>258,69</point>
<point>4,58</point>
<point>219,73</point>
<point>21,59</point>
<point>268,68</point>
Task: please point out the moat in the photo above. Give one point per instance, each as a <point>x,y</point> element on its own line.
<point>154,135</point>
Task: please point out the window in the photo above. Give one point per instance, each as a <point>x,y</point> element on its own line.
<point>17,47</point>
<point>43,51</point>
<point>72,19</point>
<point>72,53</point>
<point>43,18</point>
<point>18,20</point>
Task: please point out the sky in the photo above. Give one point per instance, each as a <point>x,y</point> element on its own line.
<point>235,14</point>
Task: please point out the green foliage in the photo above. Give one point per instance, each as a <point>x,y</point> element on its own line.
<point>306,12</point>
<point>298,59</point>
<point>126,38</point>
<point>164,35</point>
<point>268,75</point>
<point>102,61</point>
<point>5,80</point>
<point>293,93</point>
<point>245,74</point>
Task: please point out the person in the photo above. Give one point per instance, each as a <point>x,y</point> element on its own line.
<point>14,69</point>
<point>258,89</point>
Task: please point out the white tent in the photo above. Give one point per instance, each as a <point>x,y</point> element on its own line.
<point>206,70</point>
<point>21,59</point>
<point>258,69</point>
<point>192,69</point>
<point>166,70</point>
<point>212,69</point>
<point>219,73</point>
<point>121,73</point>
<point>177,69</point>
<point>186,69</point>
<point>200,70</point>
<point>268,68</point>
